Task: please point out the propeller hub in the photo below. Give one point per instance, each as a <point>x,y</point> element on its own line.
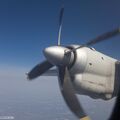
<point>56,55</point>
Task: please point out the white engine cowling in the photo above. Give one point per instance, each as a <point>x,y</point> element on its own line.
<point>93,73</point>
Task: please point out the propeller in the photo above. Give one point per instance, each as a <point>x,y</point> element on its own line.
<point>60,24</point>
<point>68,93</point>
<point>98,39</point>
<point>39,69</point>
<point>55,57</point>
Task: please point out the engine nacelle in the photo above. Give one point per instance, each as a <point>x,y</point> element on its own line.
<point>94,74</point>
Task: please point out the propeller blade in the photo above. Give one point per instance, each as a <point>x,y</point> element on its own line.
<point>39,69</point>
<point>60,24</point>
<point>103,37</point>
<point>98,39</point>
<point>68,93</point>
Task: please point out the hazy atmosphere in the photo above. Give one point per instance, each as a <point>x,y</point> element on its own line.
<point>41,99</point>
<point>26,28</point>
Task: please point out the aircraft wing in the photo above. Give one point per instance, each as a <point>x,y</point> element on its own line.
<point>51,72</point>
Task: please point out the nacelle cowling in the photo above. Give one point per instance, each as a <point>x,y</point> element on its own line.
<point>93,73</point>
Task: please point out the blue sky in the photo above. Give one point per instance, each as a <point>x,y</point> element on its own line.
<point>27,27</point>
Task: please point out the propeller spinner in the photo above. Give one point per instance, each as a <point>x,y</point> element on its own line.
<point>56,55</point>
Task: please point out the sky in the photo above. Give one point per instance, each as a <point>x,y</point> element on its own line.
<point>29,26</point>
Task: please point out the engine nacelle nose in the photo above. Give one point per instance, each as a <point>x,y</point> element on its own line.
<point>56,55</point>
